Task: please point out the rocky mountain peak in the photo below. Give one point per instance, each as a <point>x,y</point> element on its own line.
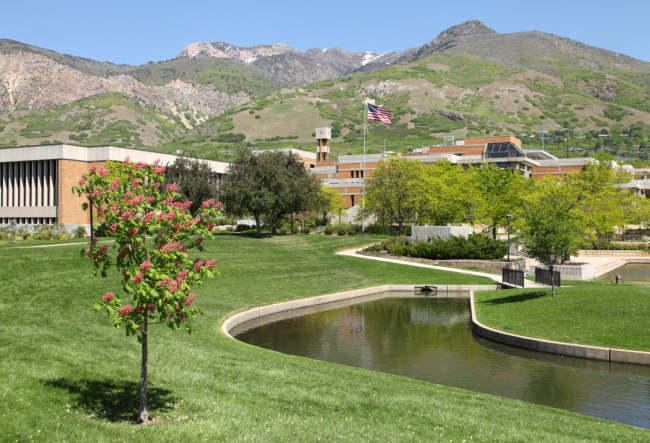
<point>470,28</point>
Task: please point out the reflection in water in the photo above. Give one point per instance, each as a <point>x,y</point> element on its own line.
<point>632,272</point>
<point>431,339</point>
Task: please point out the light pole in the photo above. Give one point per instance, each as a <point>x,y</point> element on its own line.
<point>509,216</point>
<point>543,129</point>
<point>384,147</point>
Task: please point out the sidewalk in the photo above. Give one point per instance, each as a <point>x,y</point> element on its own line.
<point>495,277</point>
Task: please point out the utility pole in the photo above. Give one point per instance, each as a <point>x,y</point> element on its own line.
<point>543,129</point>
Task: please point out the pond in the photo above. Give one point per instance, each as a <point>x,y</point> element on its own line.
<point>430,339</point>
<point>638,272</point>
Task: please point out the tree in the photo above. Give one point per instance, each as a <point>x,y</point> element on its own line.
<point>156,274</point>
<point>550,229</point>
<point>329,202</point>
<point>196,181</point>
<point>272,184</point>
<point>502,191</point>
<point>397,189</point>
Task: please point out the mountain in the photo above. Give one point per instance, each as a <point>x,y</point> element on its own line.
<point>469,80</point>
<point>343,62</point>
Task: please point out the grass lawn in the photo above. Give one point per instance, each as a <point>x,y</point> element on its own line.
<point>68,375</point>
<point>595,313</point>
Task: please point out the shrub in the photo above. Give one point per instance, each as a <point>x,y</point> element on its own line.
<point>257,117</point>
<point>352,232</point>
<point>242,227</point>
<point>329,230</point>
<point>55,231</point>
<point>341,231</point>
<point>474,247</point>
<point>306,230</point>
<point>79,232</point>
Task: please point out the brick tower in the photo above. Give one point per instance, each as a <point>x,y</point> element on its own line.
<point>323,137</point>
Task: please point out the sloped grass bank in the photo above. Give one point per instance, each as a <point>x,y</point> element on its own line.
<point>67,375</point>
<point>594,313</point>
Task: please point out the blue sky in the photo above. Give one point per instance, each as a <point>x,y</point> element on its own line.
<point>134,32</point>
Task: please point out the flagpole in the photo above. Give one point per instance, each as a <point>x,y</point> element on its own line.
<point>363,204</point>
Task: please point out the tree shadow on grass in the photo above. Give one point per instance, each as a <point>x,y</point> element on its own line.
<point>114,401</point>
<point>516,298</point>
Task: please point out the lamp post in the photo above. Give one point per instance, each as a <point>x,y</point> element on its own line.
<point>384,147</point>
<point>509,216</point>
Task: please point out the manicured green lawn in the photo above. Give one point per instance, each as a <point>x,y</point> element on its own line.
<point>67,375</point>
<point>595,313</point>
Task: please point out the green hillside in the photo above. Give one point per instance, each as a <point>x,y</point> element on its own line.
<point>115,119</point>
<point>224,74</point>
<point>455,94</point>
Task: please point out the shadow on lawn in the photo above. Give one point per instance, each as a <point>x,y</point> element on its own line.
<point>114,401</point>
<point>516,298</point>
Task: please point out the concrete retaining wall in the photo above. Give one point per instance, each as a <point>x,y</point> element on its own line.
<point>554,347</point>
<point>621,253</point>
<point>423,233</point>
<point>251,314</point>
<point>520,265</point>
<point>583,272</point>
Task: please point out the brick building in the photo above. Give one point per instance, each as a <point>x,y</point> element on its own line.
<point>36,181</point>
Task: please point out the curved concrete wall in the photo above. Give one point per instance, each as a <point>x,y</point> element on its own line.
<point>254,313</point>
<point>554,347</point>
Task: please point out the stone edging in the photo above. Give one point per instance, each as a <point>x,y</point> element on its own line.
<point>554,347</point>
<point>251,314</point>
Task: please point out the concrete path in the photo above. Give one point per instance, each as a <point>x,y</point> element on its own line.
<point>495,277</point>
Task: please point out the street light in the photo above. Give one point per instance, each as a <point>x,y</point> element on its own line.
<point>384,147</point>
<point>509,216</point>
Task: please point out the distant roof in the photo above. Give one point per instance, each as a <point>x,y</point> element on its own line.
<point>539,154</point>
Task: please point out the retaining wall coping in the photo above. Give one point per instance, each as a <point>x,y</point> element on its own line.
<point>554,347</point>
<point>257,312</point>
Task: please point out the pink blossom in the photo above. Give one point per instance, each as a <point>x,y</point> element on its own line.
<point>128,214</point>
<point>165,281</point>
<point>108,297</point>
<point>217,205</point>
<point>103,172</point>
<point>94,242</point>
<point>133,231</point>
<point>173,286</point>
<point>197,265</point>
<point>136,201</point>
<point>137,278</point>
<point>198,241</point>
<point>93,168</point>
<point>114,185</point>
<point>156,185</point>
<point>127,161</point>
<point>82,182</point>
<point>210,263</point>
<point>127,196</point>
<point>172,187</point>
<point>145,266</point>
<point>140,165</point>
<point>170,216</point>
<point>115,207</point>
<point>212,226</point>
<point>135,183</point>
<point>104,249</point>
<point>121,255</point>
<point>207,203</point>
<point>155,163</point>
<point>148,216</point>
<point>180,278</point>
<point>159,169</point>
<point>150,199</point>
<point>189,300</point>
<point>168,201</point>
<point>96,193</point>
<point>113,227</point>
<point>176,228</point>
<point>126,309</point>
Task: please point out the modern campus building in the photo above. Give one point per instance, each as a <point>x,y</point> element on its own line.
<point>36,181</point>
<point>347,173</point>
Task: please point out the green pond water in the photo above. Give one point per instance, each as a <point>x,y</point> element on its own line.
<point>632,272</point>
<point>430,339</point>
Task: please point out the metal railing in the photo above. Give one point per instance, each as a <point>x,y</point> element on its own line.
<point>544,277</point>
<point>512,277</point>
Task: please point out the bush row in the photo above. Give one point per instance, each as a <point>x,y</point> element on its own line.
<point>54,231</point>
<point>473,247</point>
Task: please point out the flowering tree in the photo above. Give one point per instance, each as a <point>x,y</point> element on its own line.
<point>152,236</point>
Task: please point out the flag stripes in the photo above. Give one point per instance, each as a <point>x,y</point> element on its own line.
<point>379,114</point>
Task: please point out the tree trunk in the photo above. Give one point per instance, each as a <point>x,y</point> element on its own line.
<point>400,227</point>
<point>291,228</point>
<point>274,229</point>
<point>552,280</point>
<point>494,232</point>
<point>258,225</point>
<point>143,414</point>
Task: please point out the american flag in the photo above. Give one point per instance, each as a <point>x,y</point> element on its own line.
<point>379,114</point>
